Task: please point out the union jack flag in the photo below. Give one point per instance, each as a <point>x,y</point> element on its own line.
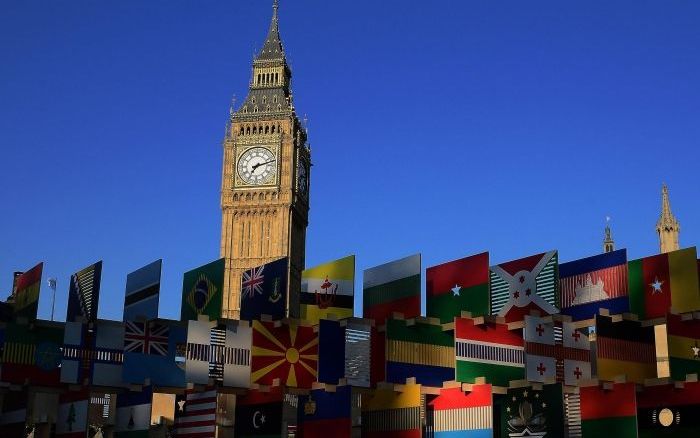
<point>147,338</point>
<point>253,282</point>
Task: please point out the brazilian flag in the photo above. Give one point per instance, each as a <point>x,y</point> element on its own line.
<point>202,291</point>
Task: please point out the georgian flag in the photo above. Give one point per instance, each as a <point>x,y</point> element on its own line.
<point>540,349</point>
<point>577,359</point>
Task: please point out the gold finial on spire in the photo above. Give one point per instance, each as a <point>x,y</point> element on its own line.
<point>667,227</point>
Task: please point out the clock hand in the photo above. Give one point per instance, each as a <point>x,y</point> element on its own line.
<point>255,166</point>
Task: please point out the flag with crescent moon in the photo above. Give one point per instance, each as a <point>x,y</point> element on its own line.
<point>259,413</point>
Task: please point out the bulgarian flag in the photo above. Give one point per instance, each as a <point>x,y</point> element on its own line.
<point>610,412</point>
<point>458,414</point>
<point>662,282</point>
<point>392,287</point>
<point>683,346</point>
<point>458,285</point>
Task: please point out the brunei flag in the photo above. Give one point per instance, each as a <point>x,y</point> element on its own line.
<point>26,293</point>
<point>202,291</point>
<point>609,412</point>
<point>624,348</point>
<point>456,286</point>
<point>328,289</point>
<point>488,350</point>
<point>664,282</point>
<point>420,350</point>
<point>392,287</point>
<point>683,346</point>
<point>324,411</point>
<point>669,411</point>
<point>284,351</point>
<point>454,413</point>
<point>389,414</point>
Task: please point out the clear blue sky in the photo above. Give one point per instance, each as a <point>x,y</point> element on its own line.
<point>445,127</point>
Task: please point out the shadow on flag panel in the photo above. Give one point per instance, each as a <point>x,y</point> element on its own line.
<point>142,292</point>
<point>392,287</point>
<point>13,417</point>
<point>454,413</point>
<point>624,348</point>
<point>323,411</point>
<point>683,346</point>
<point>195,414</point>
<point>84,294</point>
<point>26,293</point>
<point>609,412</point>
<point>328,289</point>
<point>669,411</point>
<point>264,290</point>
<point>202,291</point>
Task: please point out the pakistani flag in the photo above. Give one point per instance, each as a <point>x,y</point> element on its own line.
<point>530,412</point>
<point>458,285</point>
<point>134,414</point>
<point>202,291</point>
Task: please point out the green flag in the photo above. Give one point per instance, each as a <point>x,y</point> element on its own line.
<point>529,412</point>
<point>202,291</point>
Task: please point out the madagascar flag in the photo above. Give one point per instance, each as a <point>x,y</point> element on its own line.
<point>683,346</point>
<point>669,411</point>
<point>324,413</point>
<point>456,413</point>
<point>609,412</point>
<point>662,282</point>
<point>392,287</point>
<point>624,348</point>
<point>458,285</point>
<point>27,292</point>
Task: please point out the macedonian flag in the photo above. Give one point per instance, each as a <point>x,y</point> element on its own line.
<point>287,351</point>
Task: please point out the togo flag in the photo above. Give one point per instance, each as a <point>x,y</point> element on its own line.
<point>134,414</point>
<point>328,289</point>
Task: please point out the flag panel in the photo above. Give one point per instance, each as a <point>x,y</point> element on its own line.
<point>236,354</point>
<point>151,353</point>
<point>13,416</point>
<point>624,348</point>
<point>392,287</point>
<point>32,353</point>
<point>456,413</point>
<point>84,294</point>
<point>108,355</point>
<point>202,291</point>
<point>609,412</point>
<point>386,413</point>
<point>323,411</point>
<point>669,411</point>
<point>72,418</point>
<point>259,414</point>
<point>531,412</point>
<point>26,293</point>
<point>133,416</point>
<point>357,352</point>
<point>683,346</point>
<point>328,289</point>
<point>142,292</point>
<point>195,414</point>
<point>331,351</point>
<point>264,290</point>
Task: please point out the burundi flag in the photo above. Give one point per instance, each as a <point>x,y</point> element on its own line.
<point>328,289</point>
<point>202,291</point>
<point>84,294</point>
<point>264,290</point>
<point>593,283</point>
<point>259,413</point>
<point>624,348</point>
<point>456,286</point>
<point>421,350</point>
<point>392,414</point>
<point>664,282</point>
<point>669,410</point>
<point>150,352</point>
<point>455,413</point>
<point>26,293</point>
<point>392,287</point>
<point>72,418</point>
<point>683,346</point>
<point>488,350</point>
<point>523,285</point>
<point>142,292</point>
<point>284,351</point>
<point>133,417</point>
<point>609,411</point>
<point>324,411</point>
<point>32,353</point>
<point>533,412</point>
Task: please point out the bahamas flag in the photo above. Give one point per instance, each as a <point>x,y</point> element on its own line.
<point>390,414</point>
<point>392,287</point>
<point>133,414</point>
<point>328,289</point>
<point>202,291</point>
<point>455,413</point>
<point>264,290</point>
<point>609,411</point>
<point>27,293</point>
<point>683,346</point>
<point>324,411</point>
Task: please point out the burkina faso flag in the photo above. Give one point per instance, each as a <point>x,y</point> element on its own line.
<point>683,346</point>
<point>609,411</point>
<point>460,285</point>
<point>669,410</point>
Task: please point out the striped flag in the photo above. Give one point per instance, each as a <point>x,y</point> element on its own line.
<point>609,412</point>
<point>488,350</point>
<point>220,352</point>
<point>32,353</point>
<point>26,293</point>
<point>624,348</point>
<point>84,294</point>
<point>357,352</point>
<point>540,350</point>
<point>328,289</point>
<point>195,414</point>
<point>392,287</point>
<point>683,346</point>
<point>456,413</point>
<point>142,292</point>
<point>669,410</point>
<point>390,414</point>
<point>323,411</point>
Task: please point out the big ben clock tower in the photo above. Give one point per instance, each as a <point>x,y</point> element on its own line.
<point>265,183</point>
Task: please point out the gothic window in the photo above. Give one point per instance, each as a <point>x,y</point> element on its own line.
<point>245,109</point>
<point>247,130</point>
<point>255,110</point>
<point>273,129</point>
<point>255,130</point>
<point>264,99</point>
<point>253,100</point>
<point>267,129</point>
<point>277,80</point>
<point>242,131</point>
<point>258,78</point>
<point>267,108</point>
<point>274,99</point>
<point>279,107</point>
<point>260,129</point>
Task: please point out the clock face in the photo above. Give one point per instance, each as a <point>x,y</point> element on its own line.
<point>303,178</point>
<point>257,166</point>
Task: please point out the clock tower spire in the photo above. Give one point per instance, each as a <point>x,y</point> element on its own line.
<point>265,177</point>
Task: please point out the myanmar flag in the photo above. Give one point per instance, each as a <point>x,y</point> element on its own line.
<point>328,289</point>
<point>683,346</point>
<point>669,411</point>
<point>458,285</point>
<point>27,293</point>
<point>664,282</point>
<point>609,412</point>
<point>454,413</point>
<point>392,287</point>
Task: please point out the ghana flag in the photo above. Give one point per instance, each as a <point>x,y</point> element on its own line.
<point>390,414</point>
<point>392,287</point>
<point>328,289</point>
<point>669,410</point>
<point>456,286</point>
<point>531,412</point>
<point>624,348</point>
<point>683,346</point>
<point>324,411</point>
<point>609,412</point>
<point>488,350</point>
<point>455,413</point>
<point>421,350</point>
<point>284,351</point>
<point>26,293</point>
<point>664,282</point>
<point>202,291</point>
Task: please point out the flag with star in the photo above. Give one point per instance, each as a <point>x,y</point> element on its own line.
<point>683,346</point>
<point>195,413</point>
<point>84,294</point>
<point>202,291</point>
<point>523,285</point>
<point>264,290</point>
<point>324,410</point>
<point>609,411</point>
<point>392,287</point>
<point>286,351</point>
<point>387,413</point>
<point>533,412</point>
<point>456,286</point>
<point>32,354</point>
<point>455,413</point>
<point>26,293</point>
<point>133,416</point>
<point>663,283</point>
<point>624,347</point>
<point>328,289</point>
<point>669,410</point>
<point>259,413</point>
<point>72,415</point>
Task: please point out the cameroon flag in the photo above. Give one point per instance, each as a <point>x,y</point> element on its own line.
<point>27,292</point>
<point>669,411</point>
<point>683,346</point>
<point>610,413</point>
<point>662,282</point>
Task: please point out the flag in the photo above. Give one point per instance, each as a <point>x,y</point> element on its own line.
<point>328,289</point>
<point>421,350</point>
<point>531,412</point>
<point>609,412</point>
<point>259,413</point>
<point>32,353</point>
<point>456,286</point>
<point>202,291</point>
<point>133,417</point>
<point>663,282</point>
<point>540,350</point>
<point>44,407</point>
<point>285,351</point>
<point>577,355</point>
<point>151,353</point>
<point>669,411</point>
<point>84,294</point>
<point>455,413</point>
<point>323,411</point>
<point>26,293</point>
<point>683,346</point>
<point>14,414</point>
<point>488,350</point>
<point>377,356</point>
<point>596,282</point>
<point>392,287</point>
<point>218,351</point>
<point>72,418</point>
<point>108,353</point>
<point>142,292</point>
<point>331,351</point>
<point>523,285</point>
<point>235,355</point>
<point>357,351</point>
<point>78,343</point>
<point>195,414</point>
<point>624,348</point>
<point>390,414</point>
<point>264,290</point>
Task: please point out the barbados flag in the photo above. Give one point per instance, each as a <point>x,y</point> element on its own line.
<point>455,413</point>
